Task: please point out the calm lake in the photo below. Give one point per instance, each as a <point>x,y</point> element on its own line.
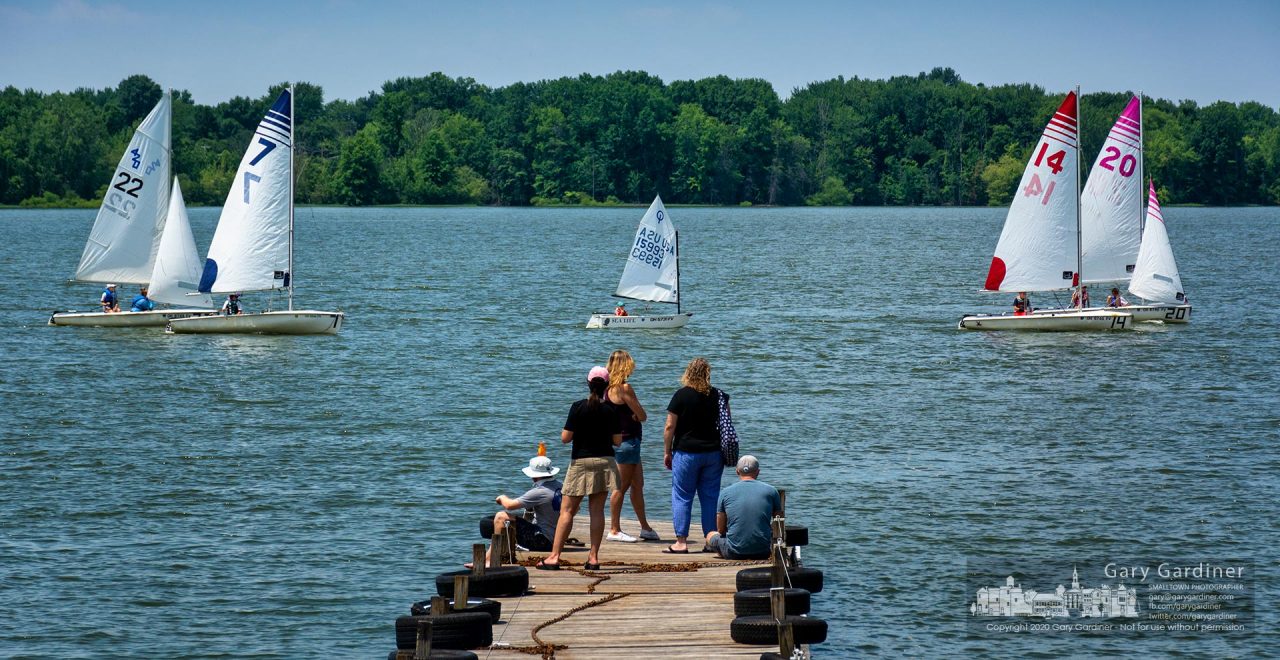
<point>245,496</point>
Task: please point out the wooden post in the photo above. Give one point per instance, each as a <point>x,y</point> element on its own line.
<point>778,574</point>
<point>511,544</point>
<point>460,586</point>
<point>439,605</point>
<point>782,502</point>
<point>497,547</point>
<point>477,559</point>
<point>786,639</point>
<point>778,607</point>
<point>422,650</point>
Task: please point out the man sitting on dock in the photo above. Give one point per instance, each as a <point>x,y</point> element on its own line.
<point>743,515</point>
<point>543,500</point>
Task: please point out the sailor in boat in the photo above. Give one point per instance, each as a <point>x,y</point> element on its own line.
<point>110,304</point>
<point>141,303</point>
<point>620,310</point>
<point>1021,304</point>
<point>1116,300</point>
<point>1080,299</point>
<point>232,306</point>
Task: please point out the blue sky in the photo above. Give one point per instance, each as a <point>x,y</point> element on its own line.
<point>1204,51</point>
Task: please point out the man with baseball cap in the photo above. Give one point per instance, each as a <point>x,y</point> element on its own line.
<point>743,514</point>
<point>110,304</point>
<point>543,500</point>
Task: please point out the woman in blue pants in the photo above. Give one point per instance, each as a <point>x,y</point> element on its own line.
<point>691,443</point>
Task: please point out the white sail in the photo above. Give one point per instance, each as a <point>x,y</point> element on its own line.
<point>651,272</point>
<point>122,244</point>
<point>250,248</point>
<point>1111,205</point>
<point>1156,275</point>
<point>1037,250</point>
<point>177,270</point>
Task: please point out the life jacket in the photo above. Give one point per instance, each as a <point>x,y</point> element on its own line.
<point>620,311</point>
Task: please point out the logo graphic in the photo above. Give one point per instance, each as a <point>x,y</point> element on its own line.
<point>1012,599</point>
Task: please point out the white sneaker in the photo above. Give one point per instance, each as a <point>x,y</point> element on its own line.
<point>621,536</point>
<point>649,535</point>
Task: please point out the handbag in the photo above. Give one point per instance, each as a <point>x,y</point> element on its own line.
<point>728,434</point>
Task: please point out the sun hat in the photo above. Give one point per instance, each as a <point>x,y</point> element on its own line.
<point>597,372</point>
<point>111,286</point>
<point>539,466</point>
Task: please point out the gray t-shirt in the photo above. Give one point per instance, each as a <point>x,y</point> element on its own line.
<point>541,500</point>
<point>749,505</point>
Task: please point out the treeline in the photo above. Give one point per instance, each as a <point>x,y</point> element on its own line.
<point>930,139</point>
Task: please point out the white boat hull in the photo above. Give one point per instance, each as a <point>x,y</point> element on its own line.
<point>297,322</point>
<point>1171,313</point>
<point>639,322</point>
<point>1052,321</point>
<point>155,318</point>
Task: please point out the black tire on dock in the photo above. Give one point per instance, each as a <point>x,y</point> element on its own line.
<point>756,601</point>
<point>492,607</point>
<point>464,630</point>
<point>809,579</point>
<point>764,630</point>
<point>436,654</point>
<point>797,535</point>
<point>486,527</point>
<point>496,582</point>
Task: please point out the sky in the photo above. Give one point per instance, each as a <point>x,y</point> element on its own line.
<point>1204,51</point>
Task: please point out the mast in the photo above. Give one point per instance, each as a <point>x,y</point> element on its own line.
<point>293,137</point>
<point>1142,169</point>
<point>677,271</point>
<point>1079,232</point>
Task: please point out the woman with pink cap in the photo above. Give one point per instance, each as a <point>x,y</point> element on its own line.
<point>592,428</point>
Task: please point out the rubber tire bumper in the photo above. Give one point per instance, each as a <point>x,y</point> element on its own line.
<point>753,602</point>
<point>764,630</point>
<point>492,607</point>
<point>809,579</point>
<point>796,535</point>
<point>464,630</point>
<point>439,654</point>
<point>496,582</point>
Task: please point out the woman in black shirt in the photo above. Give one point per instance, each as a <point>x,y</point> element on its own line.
<point>691,443</point>
<point>593,429</point>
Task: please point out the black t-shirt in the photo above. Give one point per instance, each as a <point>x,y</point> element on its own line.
<point>696,417</point>
<point>593,430</point>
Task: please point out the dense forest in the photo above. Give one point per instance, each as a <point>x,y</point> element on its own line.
<point>930,139</point>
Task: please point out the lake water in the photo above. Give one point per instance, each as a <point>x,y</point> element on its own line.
<point>244,496</point>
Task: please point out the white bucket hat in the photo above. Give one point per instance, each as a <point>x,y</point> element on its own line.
<point>540,466</point>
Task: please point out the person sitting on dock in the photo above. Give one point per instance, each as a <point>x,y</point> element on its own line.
<point>743,515</point>
<point>543,499</point>
<point>232,306</point>
<point>110,304</point>
<point>620,310</point>
<point>1116,300</point>
<point>1080,299</point>
<point>141,303</point>
<point>1021,304</point>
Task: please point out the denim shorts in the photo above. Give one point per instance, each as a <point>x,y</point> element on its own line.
<point>627,453</point>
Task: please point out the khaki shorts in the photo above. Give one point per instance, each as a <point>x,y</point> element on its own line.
<point>588,476</point>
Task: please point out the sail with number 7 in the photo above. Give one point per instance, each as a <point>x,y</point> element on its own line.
<point>1038,248</point>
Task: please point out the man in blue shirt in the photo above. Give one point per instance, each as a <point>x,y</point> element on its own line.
<point>141,303</point>
<point>743,515</point>
<point>109,302</point>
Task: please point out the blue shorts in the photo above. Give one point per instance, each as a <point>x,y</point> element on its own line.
<point>627,453</point>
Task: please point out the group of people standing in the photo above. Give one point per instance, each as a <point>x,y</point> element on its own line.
<point>606,432</point>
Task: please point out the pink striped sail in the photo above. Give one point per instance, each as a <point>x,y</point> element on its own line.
<point>1155,276</point>
<point>1111,205</point>
<point>1037,248</point>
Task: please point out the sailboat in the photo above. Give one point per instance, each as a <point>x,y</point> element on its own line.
<point>252,248</point>
<point>1155,276</point>
<point>1040,248</point>
<point>652,274</point>
<point>132,225</point>
<point>1111,213</point>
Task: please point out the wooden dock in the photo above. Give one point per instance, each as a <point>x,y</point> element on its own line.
<point>641,603</point>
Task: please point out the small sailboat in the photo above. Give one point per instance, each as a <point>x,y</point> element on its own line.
<point>1155,276</point>
<point>133,224</point>
<point>1040,248</point>
<point>252,248</point>
<point>1111,213</point>
<point>652,274</point>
